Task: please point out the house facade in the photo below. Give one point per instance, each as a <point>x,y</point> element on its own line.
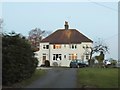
<point>64,45</point>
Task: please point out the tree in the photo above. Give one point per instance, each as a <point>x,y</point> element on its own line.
<point>100,58</point>
<point>18,61</point>
<point>35,36</point>
<point>98,48</point>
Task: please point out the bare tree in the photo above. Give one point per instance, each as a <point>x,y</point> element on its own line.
<point>35,36</point>
<point>99,47</point>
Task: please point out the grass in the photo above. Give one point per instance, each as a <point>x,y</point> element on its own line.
<point>97,77</point>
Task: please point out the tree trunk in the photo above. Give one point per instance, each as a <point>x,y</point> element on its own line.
<point>90,58</point>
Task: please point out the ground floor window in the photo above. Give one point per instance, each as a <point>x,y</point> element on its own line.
<point>57,56</point>
<point>72,56</point>
<point>87,57</point>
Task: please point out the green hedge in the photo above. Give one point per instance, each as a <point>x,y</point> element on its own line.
<point>18,62</point>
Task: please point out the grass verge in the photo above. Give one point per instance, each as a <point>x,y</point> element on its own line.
<point>37,74</point>
<point>97,77</point>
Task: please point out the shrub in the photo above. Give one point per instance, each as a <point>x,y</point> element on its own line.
<point>18,61</point>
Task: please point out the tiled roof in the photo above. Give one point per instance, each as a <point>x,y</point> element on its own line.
<point>66,36</point>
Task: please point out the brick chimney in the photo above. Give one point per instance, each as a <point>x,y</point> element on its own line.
<point>66,25</point>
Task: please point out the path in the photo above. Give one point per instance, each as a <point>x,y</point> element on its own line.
<point>56,78</point>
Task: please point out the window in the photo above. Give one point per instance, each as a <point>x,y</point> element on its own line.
<point>70,46</point>
<point>56,46</point>
<point>87,57</point>
<point>64,56</point>
<point>44,54</point>
<point>65,45</point>
<point>73,46</point>
<point>57,57</point>
<point>72,56</point>
<point>45,46</point>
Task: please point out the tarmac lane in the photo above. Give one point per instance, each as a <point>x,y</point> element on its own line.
<point>57,78</point>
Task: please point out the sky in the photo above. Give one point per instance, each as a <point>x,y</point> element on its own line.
<point>96,20</point>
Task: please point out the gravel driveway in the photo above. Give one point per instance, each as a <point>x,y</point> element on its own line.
<point>56,78</point>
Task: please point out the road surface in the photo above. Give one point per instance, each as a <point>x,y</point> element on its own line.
<point>56,78</point>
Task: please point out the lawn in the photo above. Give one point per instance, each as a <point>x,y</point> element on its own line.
<point>97,77</point>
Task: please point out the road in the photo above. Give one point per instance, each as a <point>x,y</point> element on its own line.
<point>56,78</point>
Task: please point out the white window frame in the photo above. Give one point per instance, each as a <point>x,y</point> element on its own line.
<point>57,46</point>
<point>73,46</point>
<point>57,56</point>
<point>45,46</point>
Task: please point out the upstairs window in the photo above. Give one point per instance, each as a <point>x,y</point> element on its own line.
<point>65,45</point>
<point>73,46</point>
<point>45,46</point>
<point>56,46</point>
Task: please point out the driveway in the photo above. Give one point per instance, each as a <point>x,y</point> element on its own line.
<point>56,78</point>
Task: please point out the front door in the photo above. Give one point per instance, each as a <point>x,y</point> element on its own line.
<point>44,58</point>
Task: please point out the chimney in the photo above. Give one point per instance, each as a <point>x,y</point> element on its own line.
<point>66,25</point>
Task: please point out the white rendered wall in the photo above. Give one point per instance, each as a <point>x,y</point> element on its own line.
<point>63,50</point>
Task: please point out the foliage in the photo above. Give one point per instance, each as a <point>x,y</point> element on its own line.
<point>101,48</point>
<point>18,58</point>
<point>113,62</point>
<point>37,74</point>
<point>100,58</point>
<point>35,36</point>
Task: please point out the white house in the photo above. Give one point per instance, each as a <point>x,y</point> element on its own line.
<point>64,45</point>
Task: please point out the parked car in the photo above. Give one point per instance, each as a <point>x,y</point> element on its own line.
<point>73,64</point>
<point>107,62</point>
<point>78,64</point>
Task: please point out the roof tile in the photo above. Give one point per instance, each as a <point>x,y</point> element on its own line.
<point>63,36</point>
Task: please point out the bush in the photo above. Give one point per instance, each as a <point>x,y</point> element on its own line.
<point>18,62</point>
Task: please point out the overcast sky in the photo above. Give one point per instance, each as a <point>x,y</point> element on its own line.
<point>93,19</point>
